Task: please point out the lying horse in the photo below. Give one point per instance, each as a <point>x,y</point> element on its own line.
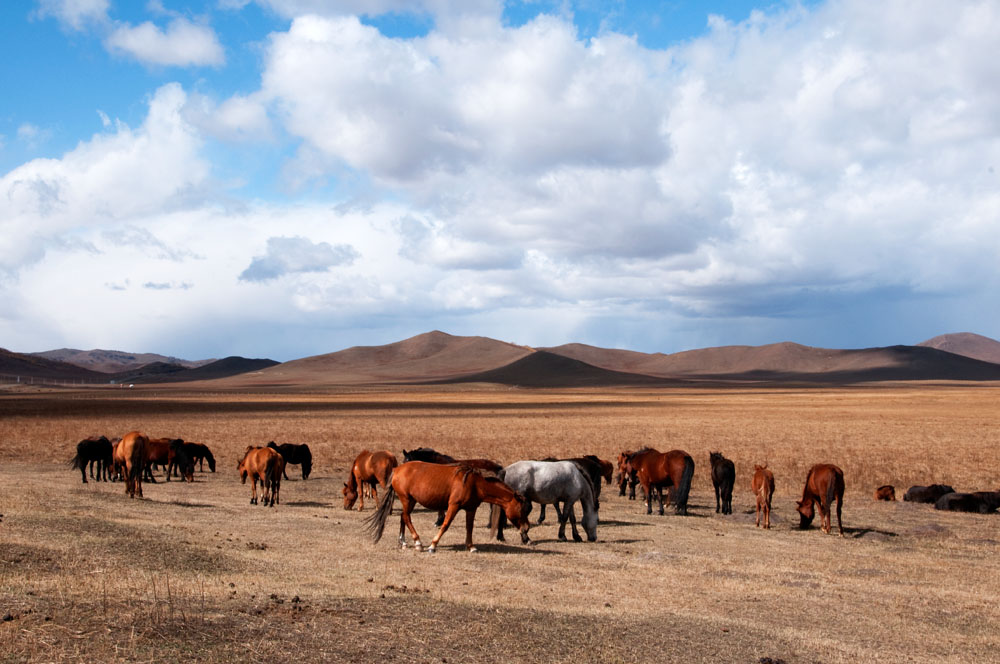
<point>133,448</point>
<point>762,486</point>
<point>368,468</point>
<point>90,451</point>
<point>295,454</point>
<point>553,482</point>
<point>266,465</point>
<point>450,487</point>
<point>594,469</point>
<point>198,454</point>
<point>824,484</point>
<point>981,502</point>
<point>885,492</point>
<point>655,470</point>
<point>723,479</point>
<point>926,494</point>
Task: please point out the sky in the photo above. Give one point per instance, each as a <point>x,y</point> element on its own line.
<point>284,178</point>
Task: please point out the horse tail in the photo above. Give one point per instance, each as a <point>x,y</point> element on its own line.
<point>77,462</point>
<point>684,487</point>
<point>375,524</point>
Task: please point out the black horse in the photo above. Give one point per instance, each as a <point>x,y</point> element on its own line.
<point>90,451</point>
<point>723,479</point>
<point>198,454</point>
<point>293,453</point>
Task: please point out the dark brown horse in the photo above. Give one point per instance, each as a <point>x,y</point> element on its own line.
<point>655,470</point>
<point>92,451</point>
<point>926,494</point>
<point>199,453</point>
<point>762,486</point>
<point>168,452</point>
<point>981,502</point>
<point>450,487</point>
<point>368,468</point>
<point>824,484</point>
<point>295,454</point>
<point>266,465</point>
<point>723,479</point>
<point>133,454</point>
<point>886,492</point>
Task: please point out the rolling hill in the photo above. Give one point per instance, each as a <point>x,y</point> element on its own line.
<point>968,344</point>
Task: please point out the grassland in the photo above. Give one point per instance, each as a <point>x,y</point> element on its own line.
<point>193,571</point>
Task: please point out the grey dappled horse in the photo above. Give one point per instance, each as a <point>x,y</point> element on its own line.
<point>551,482</point>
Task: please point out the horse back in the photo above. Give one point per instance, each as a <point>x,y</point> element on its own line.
<point>430,484</point>
<point>825,483</point>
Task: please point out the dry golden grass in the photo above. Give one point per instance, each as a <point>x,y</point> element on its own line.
<point>193,571</point>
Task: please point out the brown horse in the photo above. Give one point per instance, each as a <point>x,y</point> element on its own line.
<point>655,470</point>
<point>449,487</point>
<point>167,452</point>
<point>762,486</point>
<point>623,474</point>
<point>368,468</point>
<point>133,454</point>
<point>824,484</point>
<point>886,492</point>
<point>266,465</point>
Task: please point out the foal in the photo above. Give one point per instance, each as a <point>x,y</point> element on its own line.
<point>762,486</point>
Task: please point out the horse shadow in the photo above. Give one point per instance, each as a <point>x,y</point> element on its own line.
<point>307,503</point>
<point>614,522</point>
<point>179,503</point>
<point>861,532</point>
<point>623,541</point>
<point>506,549</point>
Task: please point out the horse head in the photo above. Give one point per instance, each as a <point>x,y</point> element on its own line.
<point>806,513</point>
<point>350,495</point>
<point>518,511</point>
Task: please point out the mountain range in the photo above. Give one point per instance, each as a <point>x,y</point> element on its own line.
<point>437,358</point>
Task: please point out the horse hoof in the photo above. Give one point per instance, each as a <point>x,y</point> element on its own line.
<point>577,538</point>
<point>473,550</point>
<point>431,549</point>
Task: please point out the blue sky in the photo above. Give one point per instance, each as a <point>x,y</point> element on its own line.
<point>289,177</point>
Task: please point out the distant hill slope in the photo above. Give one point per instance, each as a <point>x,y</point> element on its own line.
<point>162,372</point>
<point>426,357</point>
<point>14,365</point>
<point>968,344</point>
<point>114,361</point>
<point>795,362</point>
<point>545,369</point>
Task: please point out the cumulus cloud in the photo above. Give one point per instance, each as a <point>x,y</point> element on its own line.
<point>237,119</point>
<point>75,14</point>
<point>291,255</point>
<point>181,44</point>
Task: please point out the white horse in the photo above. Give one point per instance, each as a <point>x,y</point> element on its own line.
<point>551,482</point>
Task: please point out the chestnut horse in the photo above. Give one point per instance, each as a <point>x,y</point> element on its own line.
<point>132,449</point>
<point>450,487</point>
<point>723,479</point>
<point>265,464</point>
<point>167,452</point>
<point>368,468</point>
<point>824,484</point>
<point>762,486</point>
<point>430,455</point>
<point>655,470</point>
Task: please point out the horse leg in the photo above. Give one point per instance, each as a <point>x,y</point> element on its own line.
<point>253,489</point>
<point>840,524</point>
<point>501,522</point>
<point>758,510</point>
<point>407,508</point>
<point>449,516</point>
<point>440,519</point>
<point>659,494</point>
<point>541,512</point>
<point>718,503</point>
<point>562,523</point>
<point>470,523</point>
<point>572,521</point>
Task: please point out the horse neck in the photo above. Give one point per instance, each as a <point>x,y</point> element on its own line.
<point>496,493</point>
<point>352,479</point>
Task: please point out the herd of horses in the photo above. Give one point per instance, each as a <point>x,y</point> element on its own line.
<point>447,485</point>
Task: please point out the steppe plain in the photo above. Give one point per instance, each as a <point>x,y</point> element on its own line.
<point>193,571</point>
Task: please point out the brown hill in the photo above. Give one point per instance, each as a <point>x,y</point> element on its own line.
<point>426,357</point>
<point>545,369</point>
<point>162,372</point>
<point>27,367</point>
<point>968,344</point>
<point>615,359</point>
<point>114,361</point>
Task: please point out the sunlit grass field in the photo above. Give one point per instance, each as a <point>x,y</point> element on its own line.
<point>194,571</point>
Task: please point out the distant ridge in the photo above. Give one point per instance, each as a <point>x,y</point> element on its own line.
<point>114,361</point>
<point>545,369</point>
<point>20,365</point>
<point>968,344</point>
<point>162,372</point>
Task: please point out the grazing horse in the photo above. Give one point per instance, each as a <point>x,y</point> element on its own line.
<point>723,479</point>
<point>594,469</point>
<point>982,502</point>
<point>133,448</point>
<point>655,470</point>
<point>762,486</point>
<point>368,468</point>
<point>168,452</point>
<point>886,492</point>
<point>90,451</point>
<point>266,465</point>
<point>824,483</point>
<point>450,487</point>
<point>624,478</point>
<point>296,454</point>
<point>926,494</point>
<point>553,482</point>
<point>428,455</point>
<point>199,453</point>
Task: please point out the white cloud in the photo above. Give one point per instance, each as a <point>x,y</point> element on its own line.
<point>182,44</point>
<point>295,255</point>
<point>75,14</point>
<point>239,118</point>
